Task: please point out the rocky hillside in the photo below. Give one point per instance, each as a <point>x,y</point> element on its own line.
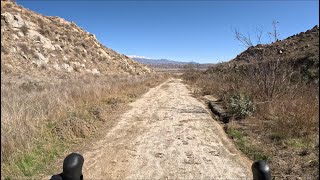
<point>299,52</point>
<point>299,46</point>
<point>34,44</point>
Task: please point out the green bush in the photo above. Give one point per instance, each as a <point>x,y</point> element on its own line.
<point>310,70</point>
<point>241,105</point>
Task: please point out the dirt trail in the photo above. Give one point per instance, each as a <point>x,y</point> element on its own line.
<point>167,134</point>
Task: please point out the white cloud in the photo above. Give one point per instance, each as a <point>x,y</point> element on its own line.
<point>135,56</point>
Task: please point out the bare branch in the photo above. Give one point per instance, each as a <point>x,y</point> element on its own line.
<point>246,41</point>
<point>275,33</point>
<point>259,34</point>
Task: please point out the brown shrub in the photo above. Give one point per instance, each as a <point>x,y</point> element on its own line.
<point>73,128</point>
<point>4,50</point>
<point>77,50</point>
<point>44,31</point>
<point>66,50</point>
<point>25,48</point>
<point>7,5</point>
<point>24,29</point>
<point>295,115</point>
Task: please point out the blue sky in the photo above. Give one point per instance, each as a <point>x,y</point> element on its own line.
<point>199,31</point>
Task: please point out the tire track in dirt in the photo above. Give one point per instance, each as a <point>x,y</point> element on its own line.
<point>168,134</point>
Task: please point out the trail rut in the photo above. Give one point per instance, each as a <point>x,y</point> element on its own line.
<point>167,134</point>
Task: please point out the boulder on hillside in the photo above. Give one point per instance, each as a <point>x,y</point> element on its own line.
<point>14,20</point>
<point>41,61</point>
<point>35,35</point>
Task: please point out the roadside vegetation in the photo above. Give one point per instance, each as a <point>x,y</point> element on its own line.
<point>271,93</point>
<point>274,107</point>
<point>41,121</point>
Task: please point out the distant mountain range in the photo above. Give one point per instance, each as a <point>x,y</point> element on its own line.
<point>168,64</point>
<point>148,61</point>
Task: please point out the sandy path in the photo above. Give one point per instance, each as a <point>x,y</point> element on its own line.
<point>167,134</point>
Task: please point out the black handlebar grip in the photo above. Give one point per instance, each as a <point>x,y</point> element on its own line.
<point>72,168</point>
<point>261,170</point>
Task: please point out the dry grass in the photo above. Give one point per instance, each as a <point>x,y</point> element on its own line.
<point>286,120</point>
<point>36,115</point>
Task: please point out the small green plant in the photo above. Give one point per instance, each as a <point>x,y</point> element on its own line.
<point>245,146</point>
<point>241,105</point>
<point>298,143</point>
<point>33,162</point>
<point>235,133</point>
